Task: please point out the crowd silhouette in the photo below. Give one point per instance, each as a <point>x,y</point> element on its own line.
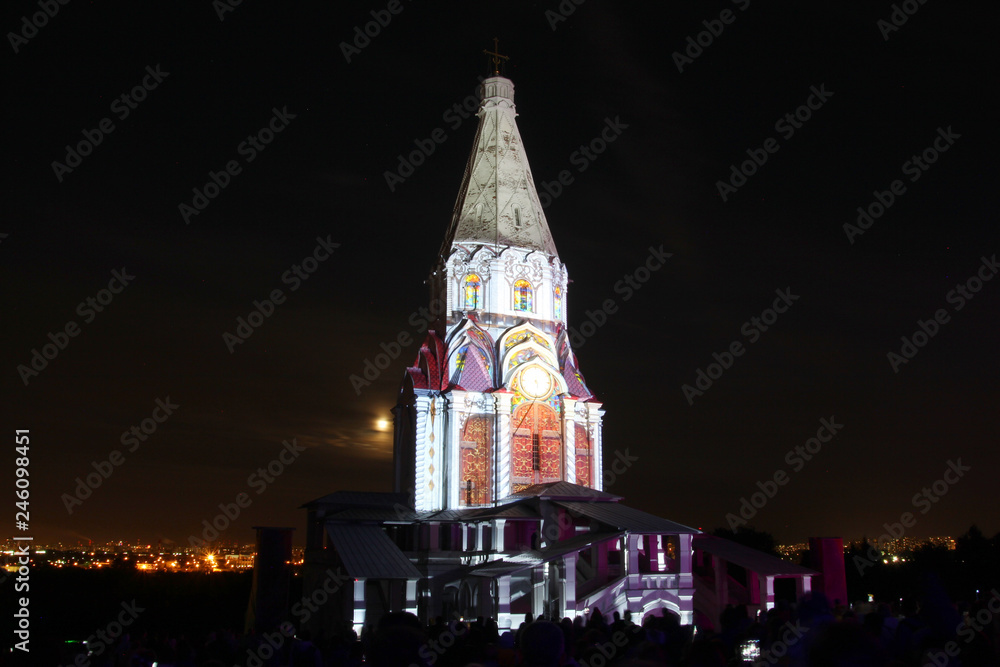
<point>929,631</point>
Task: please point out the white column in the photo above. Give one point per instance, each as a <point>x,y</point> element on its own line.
<point>503,603</point>
<point>537,590</point>
<point>597,444</point>
<point>503,444</point>
<point>422,459</point>
<point>803,585</point>
<point>569,439</point>
<point>434,462</point>
<point>411,596</point>
<point>452,446</point>
<point>498,528</point>
<point>767,591</point>
<point>685,551</point>
<point>569,586</point>
<point>656,553</point>
<point>359,605</point>
<point>631,558</point>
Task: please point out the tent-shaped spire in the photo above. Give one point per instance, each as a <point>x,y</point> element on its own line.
<point>498,203</point>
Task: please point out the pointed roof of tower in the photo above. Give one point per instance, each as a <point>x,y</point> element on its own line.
<point>497,203</point>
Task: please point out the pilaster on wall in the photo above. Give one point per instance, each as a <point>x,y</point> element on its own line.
<point>455,416</point>
<point>766,583</point>
<point>504,618</point>
<point>569,439</point>
<point>685,552</point>
<point>359,605</point>
<point>503,444</point>
<point>422,459</point>
<point>594,417</point>
<point>429,460</point>
<point>537,590</point>
<point>569,586</point>
<point>498,535</point>
<point>411,596</point>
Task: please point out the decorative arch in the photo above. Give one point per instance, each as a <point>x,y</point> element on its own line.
<point>524,345</point>
<point>472,360</point>
<point>524,332</point>
<point>524,353</point>
<point>471,368</point>
<point>523,296</point>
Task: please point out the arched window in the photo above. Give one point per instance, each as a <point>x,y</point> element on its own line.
<point>557,306</point>
<point>522,296</point>
<point>536,446</point>
<point>473,287</point>
<point>475,462</point>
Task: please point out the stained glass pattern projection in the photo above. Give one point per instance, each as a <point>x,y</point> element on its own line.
<point>536,451</point>
<point>473,292</point>
<point>557,304</point>
<point>519,337</point>
<point>523,296</point>
<point>476,457</point>
<point>583,467</point>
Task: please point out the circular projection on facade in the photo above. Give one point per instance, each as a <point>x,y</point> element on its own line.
<point>535,382</point>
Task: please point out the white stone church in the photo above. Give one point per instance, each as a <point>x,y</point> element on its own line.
<point>499,508</point>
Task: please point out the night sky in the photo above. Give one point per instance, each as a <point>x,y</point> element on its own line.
<point>885,95</point>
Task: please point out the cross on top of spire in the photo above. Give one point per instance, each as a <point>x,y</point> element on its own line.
<point>495,56</point>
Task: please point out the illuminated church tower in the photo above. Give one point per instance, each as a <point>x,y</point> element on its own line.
<point>499,509</point>
<point>495,401</point>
